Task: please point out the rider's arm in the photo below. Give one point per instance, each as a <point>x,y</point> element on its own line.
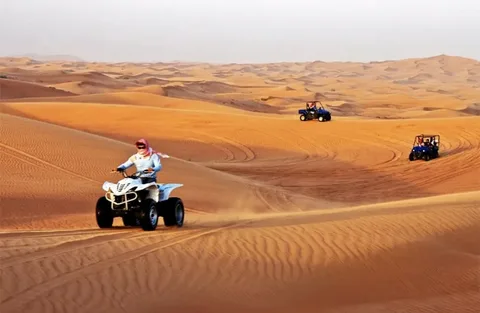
<point>157,166</point>
<point>162,155</point>
<point>126,165</point>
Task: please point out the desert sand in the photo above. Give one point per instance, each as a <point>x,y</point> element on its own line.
<point>281,215</point>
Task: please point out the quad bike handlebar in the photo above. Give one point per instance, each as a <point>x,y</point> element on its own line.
<point>134,175</point>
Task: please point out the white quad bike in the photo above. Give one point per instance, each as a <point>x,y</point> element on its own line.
<point>139,204</point>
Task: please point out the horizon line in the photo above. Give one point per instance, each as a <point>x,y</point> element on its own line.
<point>31,56</point>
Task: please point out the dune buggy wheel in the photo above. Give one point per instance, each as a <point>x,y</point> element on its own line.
<point>173,212</point>
<point>303,117</point>
<point>321,119</point>
<point>103,213</point>
<point>410,156</point>
<point>149,215</point>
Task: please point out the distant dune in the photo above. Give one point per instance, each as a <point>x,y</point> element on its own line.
<point>12,89</point>
<point>426,87</point>
<point>50,58</point>
<point>281,215</point>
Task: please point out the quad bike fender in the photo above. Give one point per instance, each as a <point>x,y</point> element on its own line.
<point>108,185</point>
<point>153,192</point>
<point>165,190</point>
<point>146,186</point>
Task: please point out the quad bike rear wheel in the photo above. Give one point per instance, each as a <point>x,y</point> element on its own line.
<point>173,212</point>
<point>103,213</point>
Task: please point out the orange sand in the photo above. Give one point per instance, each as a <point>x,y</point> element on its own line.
<point>282,215</point>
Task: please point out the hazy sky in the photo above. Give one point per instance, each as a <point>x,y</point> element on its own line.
<point>240,30</point>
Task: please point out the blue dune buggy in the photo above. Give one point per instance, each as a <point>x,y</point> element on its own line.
<point>314,110</point>
<point>425,147</point>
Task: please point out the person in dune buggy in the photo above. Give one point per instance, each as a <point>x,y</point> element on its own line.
<point>146,159</point>
<point>311,107</point>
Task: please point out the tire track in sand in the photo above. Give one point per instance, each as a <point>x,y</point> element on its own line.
<point>31,293</point>
<point>54,258</point>
<point>56,233</point>
<point>69,246</point>
<point>29,157</point>
<point>229,154</point>
<point>249,153</point>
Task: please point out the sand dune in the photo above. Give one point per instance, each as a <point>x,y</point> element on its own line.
<point>282,215</point>
<point>11,89</point>
<point>427,87</point>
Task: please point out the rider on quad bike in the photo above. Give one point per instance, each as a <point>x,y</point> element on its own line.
<point>138,199</point>
<point>146,159</point>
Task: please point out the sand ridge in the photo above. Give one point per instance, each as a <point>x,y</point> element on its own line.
<point>282,215</point>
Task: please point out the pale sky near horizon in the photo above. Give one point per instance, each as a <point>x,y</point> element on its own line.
<point>240,31</point>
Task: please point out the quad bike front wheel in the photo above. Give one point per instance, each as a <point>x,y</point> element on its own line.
<point>149,215</point>
<point>173,212</point>
<point>103,213</point>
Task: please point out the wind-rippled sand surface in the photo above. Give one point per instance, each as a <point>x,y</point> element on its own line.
<point>282,215</point>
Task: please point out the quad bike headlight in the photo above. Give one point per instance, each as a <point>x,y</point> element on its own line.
<point>109,195</point>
